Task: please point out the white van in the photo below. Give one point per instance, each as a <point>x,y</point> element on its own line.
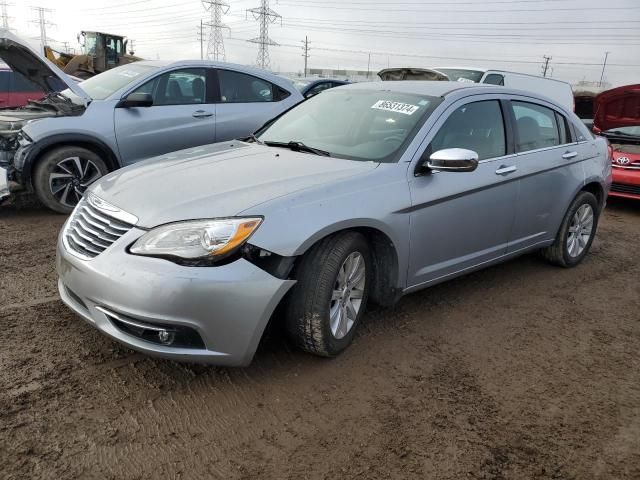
<point>556,90</point>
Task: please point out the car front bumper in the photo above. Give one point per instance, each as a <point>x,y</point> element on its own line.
<point>626,183</point>
<point>228,306</point>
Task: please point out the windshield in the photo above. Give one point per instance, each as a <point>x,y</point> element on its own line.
<point>301,84</point>
<point>461,74</point>
<point>354,124</point>
<point>105,84</point>
<point>626,131</point>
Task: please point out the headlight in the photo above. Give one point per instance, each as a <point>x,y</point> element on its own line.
<point>197,241</point>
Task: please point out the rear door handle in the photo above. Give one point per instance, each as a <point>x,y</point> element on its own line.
<point>504,170</point>
<point>202,114</point>
<point>568,155</point>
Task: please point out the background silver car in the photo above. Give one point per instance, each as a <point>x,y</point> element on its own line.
<point>125,115</point>
<point>368,191</point>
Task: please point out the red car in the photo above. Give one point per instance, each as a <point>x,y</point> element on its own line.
<point>617,117</point>
<point>15,90</point>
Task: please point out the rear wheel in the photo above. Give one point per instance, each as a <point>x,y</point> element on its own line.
<point>576,233</point>
<point>327,303</point>
<point>62,176</point>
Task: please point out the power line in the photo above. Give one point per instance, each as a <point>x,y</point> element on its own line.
<point>604,64</point>
<point>265,16</point>
<point>305,49</point>
<point>43,23</point>
<point>545,67</point>
<point>5,16</point>
<point>215,47</point>
<point>448,9</point>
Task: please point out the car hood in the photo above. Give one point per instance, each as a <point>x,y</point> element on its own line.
<point>618,107</point>
<point>23,59</point>
<point>219,180</point>
<point>411,74</point>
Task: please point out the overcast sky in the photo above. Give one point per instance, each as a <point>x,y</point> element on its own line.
<point>505,34</point>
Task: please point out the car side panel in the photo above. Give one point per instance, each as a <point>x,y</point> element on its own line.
<point>145,132</point>
<point>378,199</point>
<point>237,120</point>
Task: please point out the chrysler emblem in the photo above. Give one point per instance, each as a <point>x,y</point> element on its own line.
<point>101,204</point>
<point>623,161</point>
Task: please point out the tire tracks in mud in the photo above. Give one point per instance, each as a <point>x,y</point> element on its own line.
<point>518,371</point>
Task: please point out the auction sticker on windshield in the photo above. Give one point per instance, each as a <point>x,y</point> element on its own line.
<point>398,107</point>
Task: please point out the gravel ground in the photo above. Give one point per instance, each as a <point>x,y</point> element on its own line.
<point>520,371</point>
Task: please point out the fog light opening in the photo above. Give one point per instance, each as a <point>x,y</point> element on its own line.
<point>166,337</point>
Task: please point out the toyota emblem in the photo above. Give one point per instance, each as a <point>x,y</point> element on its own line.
<point>623,161</point>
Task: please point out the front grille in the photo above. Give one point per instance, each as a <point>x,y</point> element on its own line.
<point>91,231</point>
<point>624,188</point>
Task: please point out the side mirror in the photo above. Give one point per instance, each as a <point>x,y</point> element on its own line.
<point>138,99</point>
<point>453,160</point>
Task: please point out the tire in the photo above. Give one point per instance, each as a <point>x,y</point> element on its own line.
<point>62,175</point>
<point>564,251</point>
<point>314,311</point>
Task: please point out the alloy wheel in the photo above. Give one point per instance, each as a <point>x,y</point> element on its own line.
<point>71,177</point>
<point>580,230</point>
<point>347,295</point>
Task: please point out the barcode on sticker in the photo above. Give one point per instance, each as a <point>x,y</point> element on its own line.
<point>398,107</point>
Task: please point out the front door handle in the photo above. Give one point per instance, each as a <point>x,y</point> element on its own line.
<point>504,169</point>
<point>568,155</point>
<point>202,114</point>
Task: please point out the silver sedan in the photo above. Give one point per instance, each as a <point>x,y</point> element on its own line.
<point>364,193</point>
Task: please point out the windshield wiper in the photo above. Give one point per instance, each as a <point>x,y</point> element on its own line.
<point>253,138</point>
<point>299,147</point>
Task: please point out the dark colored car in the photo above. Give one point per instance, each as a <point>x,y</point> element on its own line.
<point>16,90</point>
<point>309,87</point>
<point>617,117</point>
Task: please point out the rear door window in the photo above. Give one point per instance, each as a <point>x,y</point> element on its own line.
<point>477,126</point>
<point>236,87</point>
<point>536,127</point>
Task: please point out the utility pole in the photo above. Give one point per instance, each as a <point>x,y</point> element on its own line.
<point>43,23</point>
<point>215,47</point>
<point>545,67</point>
<point>305,49</point>
<point>265,16</point>
<point>369,65</point>
<point>5,16</point>
<point>604,64</point>
<point>200,37</point>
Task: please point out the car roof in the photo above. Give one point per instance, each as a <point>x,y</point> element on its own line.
<point>258,72</point>
<point>316,79</point>
<point>416,87</point>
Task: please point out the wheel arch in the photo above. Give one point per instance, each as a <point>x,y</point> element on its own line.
<point>385,254</point>
<point>44,146</point>
<point>596,188</point>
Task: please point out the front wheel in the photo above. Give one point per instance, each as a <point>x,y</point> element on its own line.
<point>329,299</point>
<point>62,176</point>
<point>576,233</point>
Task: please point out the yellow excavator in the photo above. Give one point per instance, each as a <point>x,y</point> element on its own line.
<point>101,51</point>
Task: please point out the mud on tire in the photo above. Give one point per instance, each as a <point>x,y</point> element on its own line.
<point>307,313</point>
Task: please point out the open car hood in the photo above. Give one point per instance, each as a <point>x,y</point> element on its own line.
<point>23,59</point>
<point>618,107</point>
<point>407,73</point>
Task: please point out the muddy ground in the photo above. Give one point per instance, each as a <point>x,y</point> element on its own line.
<point>519,371</point>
